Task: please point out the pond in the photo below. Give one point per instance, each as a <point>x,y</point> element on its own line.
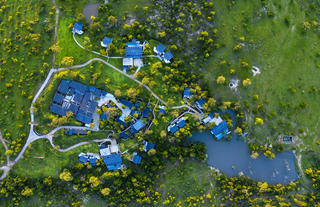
<point>233,157</point>
<point>90,10</point>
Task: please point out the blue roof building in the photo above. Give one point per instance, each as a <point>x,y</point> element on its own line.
<point>79,87</point>
<point>63,87</point>
<point>187,93</point>
<point>134,52</point>
<point>161,110</point>
<point>137,126</point>
<point>128,104</point>
<point>167,57</point>
<point>58,110</point>
<point>93,161</point>
<point>136,159</point>
<point>104,116</point>
<point>77,28</point>
<point>182,123</point>
<point>113,161</point>
<point>82,158</point>
<point>106,42</point>
<point>124,135</point>
<point>200,103</point>
<point>75,131</point>
<point>58,98</point>
<point>148,146</point>
<point>145,112</point>
<point>173,129</point>
<point>220,131</point>
<point>159,49</point>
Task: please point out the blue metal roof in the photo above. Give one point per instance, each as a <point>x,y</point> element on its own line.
<point>137,105</point>
<point>132,44</point>
<point>79,87</point>
<point>221,130</point>
<point>78,97</point>
<point>113,161</point>
<point>174,129</point>
<point>75,131</point>
<point>103,116</point>
<point>182,123</point>
<point>56,109</point>
<point>200,103</point>
<point>124,135</point>
<point>83,118</point>
<point>134,52</point>
<point>136,159</point>
<point>160,48</point>
<point>78,26</point>
<point>168,55</point>
<point>146,112</point>
<point>63,87</point>
<point>92,106</point>
<point>137,126</point>
<point>107,40</point>
<point>148,146</point>
<point>187,93</point>
<point>93,161</point>
<point>58,98</point>
<point>83,159</point>
<point>127,103</point>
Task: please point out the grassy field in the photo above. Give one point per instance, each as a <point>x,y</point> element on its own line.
<point>186,180</point>
<point>46,161</point>
<point>26,34</point>
<point>274,40</point>
<point>127,6</point>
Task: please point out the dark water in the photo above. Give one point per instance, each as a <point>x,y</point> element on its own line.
<point>225,154</point>
<point>90,10</point>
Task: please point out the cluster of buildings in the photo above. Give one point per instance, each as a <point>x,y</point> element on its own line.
<point>177,125</point>
<point>220,128</point>
<point>162,55</point>
<point>133,55</point>
<point>111,155</point>
<point>133,50</point>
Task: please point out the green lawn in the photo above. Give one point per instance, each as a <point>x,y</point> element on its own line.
<point>68,48</point>
<point>43,161</point>
<point>287,56</point>
<point>127,6</point>
<point>25,36</point>
<point>187,179</point>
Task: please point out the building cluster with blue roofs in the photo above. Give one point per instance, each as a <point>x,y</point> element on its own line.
<point>77,28</point>
<point>176,125</point>
<point>220,129</point>
<point>77,98</point>
<point>106,42</point>
<point>88,158</point>
<point>162,55</point>
<point>133,55</point>
<point>111,156</point>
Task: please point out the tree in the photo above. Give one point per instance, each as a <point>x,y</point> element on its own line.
<point>27,191</point>
<point>221,79</point>
<point>94,181</point>
<point>152,152</point>
<point>258,121</point>
<point>105,191</point>
<point>67,61</point>
<point>246,82</point>
<point>132,92</point>
<point>66,175</point>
